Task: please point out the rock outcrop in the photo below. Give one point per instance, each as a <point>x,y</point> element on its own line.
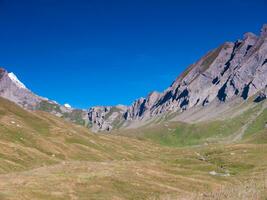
<point>233,70</point>
<point>105,118</point>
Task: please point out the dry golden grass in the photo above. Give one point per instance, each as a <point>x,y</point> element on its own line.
<point>44,157</point>
<point>254,188</point>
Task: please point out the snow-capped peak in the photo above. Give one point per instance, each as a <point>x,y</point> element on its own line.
<point>67,105</point>
<point>14,78</point>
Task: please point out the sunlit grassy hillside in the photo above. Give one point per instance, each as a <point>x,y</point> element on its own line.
<point>248,125</point>
<point>45,157</point>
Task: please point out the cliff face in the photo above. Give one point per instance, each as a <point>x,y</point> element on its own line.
<point>233,70</point>
<point>105,118</point>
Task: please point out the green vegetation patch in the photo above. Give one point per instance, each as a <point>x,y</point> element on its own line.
<point>75,116</point>
<point>178,134</point>
<point>48,107</point>
<point>258,125</point>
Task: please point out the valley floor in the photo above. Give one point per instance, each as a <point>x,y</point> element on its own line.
<point>232,172</point>
<point>44,157</point>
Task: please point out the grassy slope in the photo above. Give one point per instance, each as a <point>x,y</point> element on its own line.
<point>178,134</point>
<point>44,157</point>
<point>75,116</point>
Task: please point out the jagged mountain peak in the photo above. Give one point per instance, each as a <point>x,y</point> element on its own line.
<point>14,90</point>
<point>233,70</point>
<point>15,79</point>
<point>250,35</point>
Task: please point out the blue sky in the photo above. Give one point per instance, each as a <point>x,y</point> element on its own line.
<point>107,52</point>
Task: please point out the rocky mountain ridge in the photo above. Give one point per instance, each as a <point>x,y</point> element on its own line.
<point>11,88</point>
<point>233,70</point>
<point>14,90</point>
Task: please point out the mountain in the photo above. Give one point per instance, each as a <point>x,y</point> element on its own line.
<point>45,157</point>
<point>221,156</point>
<point>228,75</point>
<point>14,90</point>
<point>11,88</point>
<point>235,71</point>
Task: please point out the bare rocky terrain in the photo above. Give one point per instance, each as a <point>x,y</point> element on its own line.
<point>234,70</point>
<point>12,89</point>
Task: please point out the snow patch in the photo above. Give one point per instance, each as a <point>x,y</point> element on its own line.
<point>67,105</point>
<point>15,80</point>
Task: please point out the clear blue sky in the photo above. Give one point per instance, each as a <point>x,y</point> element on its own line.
<point>105,52</point>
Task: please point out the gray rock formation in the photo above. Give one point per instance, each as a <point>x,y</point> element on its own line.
<point>261,96</point>
<point>14,90</point>
<point>233,70</point>
<point>11,88</point>
<point>106,118</point>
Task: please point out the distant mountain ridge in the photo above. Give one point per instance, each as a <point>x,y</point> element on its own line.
<point>11,88</point>
<point>233,70</point>
<point>14,90</point>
